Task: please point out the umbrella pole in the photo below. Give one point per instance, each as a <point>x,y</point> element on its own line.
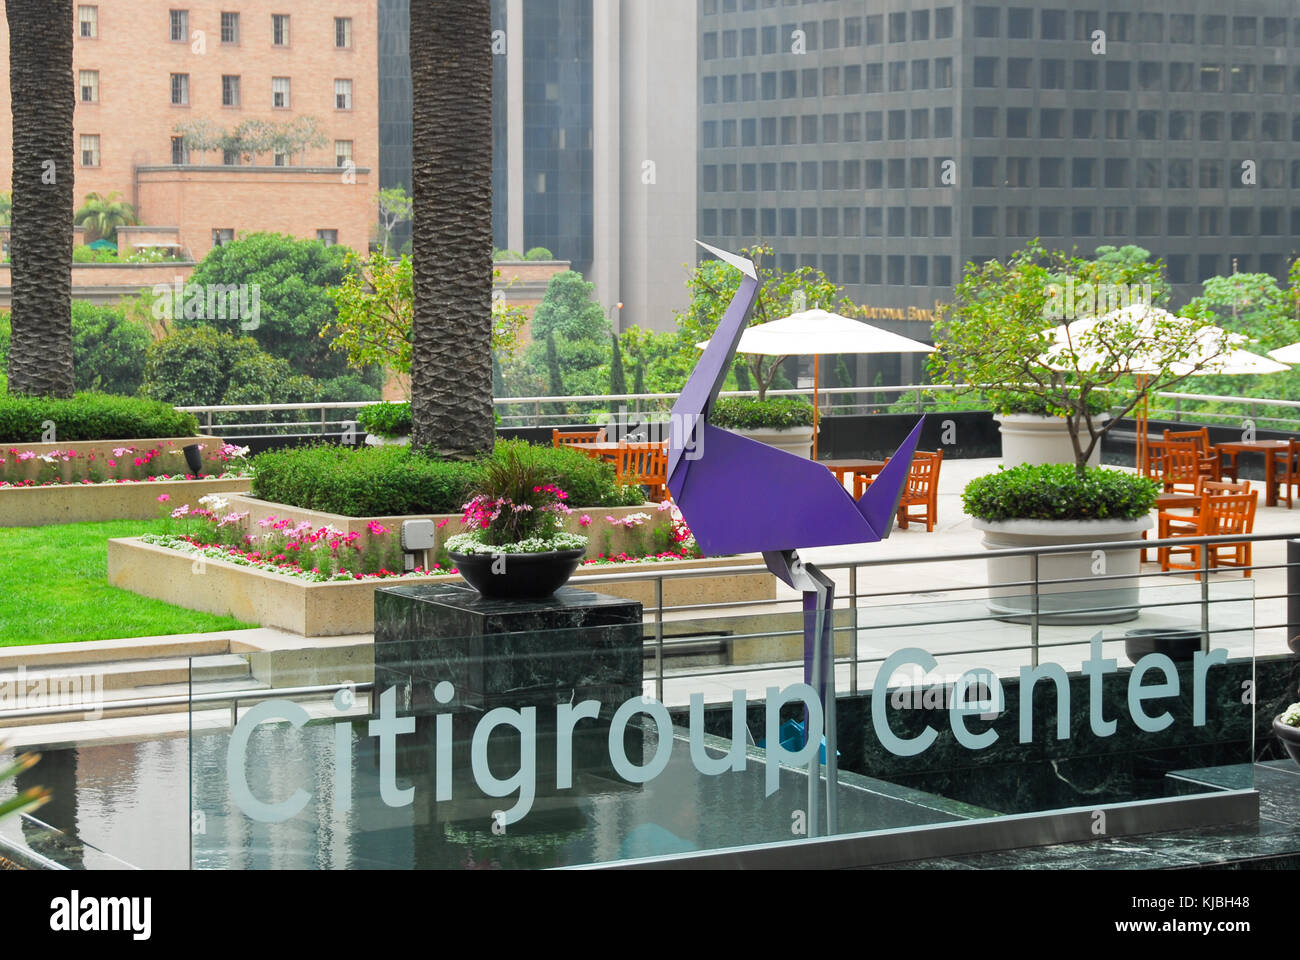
<point>817,406</point>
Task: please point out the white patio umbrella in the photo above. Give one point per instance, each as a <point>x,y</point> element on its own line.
<point>818,332</point>
<point>1210,360</point>
<point>1288,354</point>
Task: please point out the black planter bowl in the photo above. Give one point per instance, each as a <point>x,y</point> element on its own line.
<point>522,576</point>
<point>1289,735</point>
<point>1178,644</point>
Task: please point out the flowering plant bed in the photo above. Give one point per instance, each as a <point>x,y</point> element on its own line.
<point>108,461</point>
<point>196,580</point>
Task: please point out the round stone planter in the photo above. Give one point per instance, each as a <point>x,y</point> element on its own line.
<point>374,440</point>
<point>1289,735</point>
<point>1064,603</point>
<point>796,440</point>
<point>1029,438</point>
<point>518,576</point>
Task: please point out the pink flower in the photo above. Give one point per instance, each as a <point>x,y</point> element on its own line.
<point>376,528</point>
<point>584,521</point>
<point>443,523</point>
<point>112,463</point>
<point>163,498</point>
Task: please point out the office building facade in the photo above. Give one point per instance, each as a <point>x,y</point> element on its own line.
<point>890,142</point>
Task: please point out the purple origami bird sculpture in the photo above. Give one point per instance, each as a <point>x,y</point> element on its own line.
<point>742,496</point>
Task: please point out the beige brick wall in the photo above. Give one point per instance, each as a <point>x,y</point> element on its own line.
<point>135,119</point>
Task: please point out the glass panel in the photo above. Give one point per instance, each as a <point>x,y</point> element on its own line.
<point>555,748</point>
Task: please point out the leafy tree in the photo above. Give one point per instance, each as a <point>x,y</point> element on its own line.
<point>553,366</point>
<point>713,284</point>
<point>539,253</point>
<point>395,207</point>
<point>6,207</point>
<point>1250,303</point>
<point>42,100</point>
<point>375,305</point>
<point>102,215</point>
<point>200,366</point>
<point>569,311</point>
<point>292,278</point>
<point>617,380</point>
<point>198,134</point>
<point>997,331</point>
<point>108,349</point>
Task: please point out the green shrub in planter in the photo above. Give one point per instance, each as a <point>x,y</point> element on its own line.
<point>1056,492</point>
<point>774,413</point>
<point>386,420</point>
<point>396,481</point>
<point>91,416</point>
<point>1011,403</point>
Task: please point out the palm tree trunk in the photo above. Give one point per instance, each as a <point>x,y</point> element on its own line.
<point>43,97</point>
<point>451,235</point>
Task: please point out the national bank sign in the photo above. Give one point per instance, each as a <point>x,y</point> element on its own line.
<point>1154,677</point>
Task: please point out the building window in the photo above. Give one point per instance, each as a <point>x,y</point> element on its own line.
<point>342,32</point>
<point>88,22</point>
<point>229,27</point>
<point>229,91</point>
<point>180,89</point>
<point>180,25</point>
<point>230,158</point>
<point>90,149</point>
<point>180,155</point>
<point>280,29</point>
<point>222,236</point>
<point>986,71</point>
<point>280,159</point>
<point>342,94</point>
<point>343,153</point>
<point>987,20</point>
<point>328,237</point>
<point>280,92</point>
<point>89,83</point>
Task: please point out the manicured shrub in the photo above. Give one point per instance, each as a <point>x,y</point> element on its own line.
<point>539,253</point>
<point>108,349</point>
<point>750,413</point>
<point>1023,403</point>
<point>386,420</point>
<point>91,416</point>
<point>394,481</point>
<point>1055,491</point>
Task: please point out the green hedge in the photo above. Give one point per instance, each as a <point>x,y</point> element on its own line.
<point>1056,492</point>
<point>1011,403</point>
<point>395,481</point>
<point>750,413</point>
<point>91,416</point>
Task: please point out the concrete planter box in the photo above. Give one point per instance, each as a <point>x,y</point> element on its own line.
<point>168,463</point>
<point>636,541</point>
<point>1064,603</point>
<point>93,503</point>
<point>375,440</point>
<point>344,608</point>
<point>1029,438</point>
<point>796,440</point>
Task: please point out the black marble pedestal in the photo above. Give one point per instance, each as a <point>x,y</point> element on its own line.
<point>574,646</point>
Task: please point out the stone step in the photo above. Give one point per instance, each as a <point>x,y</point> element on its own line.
<point>97,678</point>
<point>105,651</point>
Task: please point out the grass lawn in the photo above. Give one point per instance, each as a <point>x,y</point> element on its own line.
<point>54,588</point>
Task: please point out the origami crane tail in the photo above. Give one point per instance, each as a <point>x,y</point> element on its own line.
<point>879,504</point>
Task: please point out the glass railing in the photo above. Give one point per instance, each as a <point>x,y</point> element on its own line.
<point>546,748</point>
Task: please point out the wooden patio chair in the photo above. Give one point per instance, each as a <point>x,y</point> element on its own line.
<point>1287,470</point>
<point>1185,467</point>
<point>645,465</point>
<point>1217,515</point>
<point>1213,462</point>
<point>922,491</point>
<point>570,437</point>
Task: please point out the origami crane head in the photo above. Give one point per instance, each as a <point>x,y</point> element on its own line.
<point>742,496</point>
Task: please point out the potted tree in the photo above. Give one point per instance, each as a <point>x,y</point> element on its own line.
<point>1035,431</point>
<point>516,546</point>
<point>999,332</point>
<point>782,422</point>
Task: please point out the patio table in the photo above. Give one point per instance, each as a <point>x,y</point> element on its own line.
<point>862,472</point>
<point>1268,448</point>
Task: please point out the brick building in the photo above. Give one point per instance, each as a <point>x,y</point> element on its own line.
<point>148,71</point>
